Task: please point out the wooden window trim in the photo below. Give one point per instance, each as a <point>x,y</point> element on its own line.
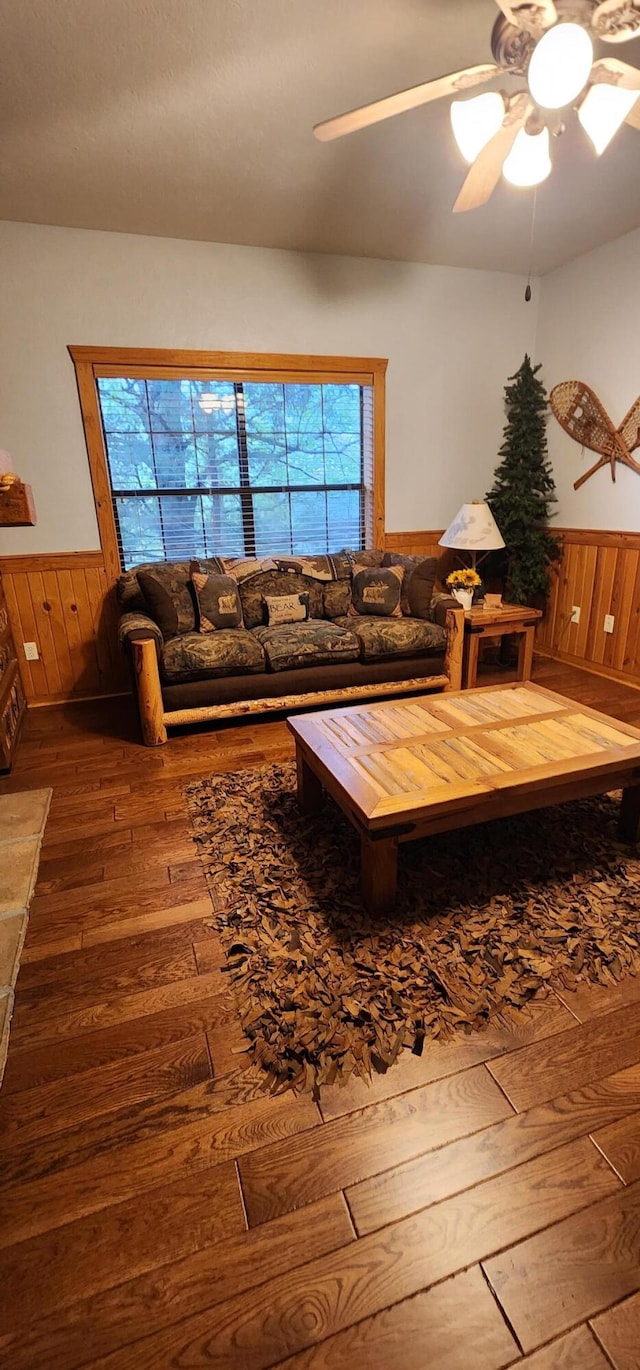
<point>93,362</point>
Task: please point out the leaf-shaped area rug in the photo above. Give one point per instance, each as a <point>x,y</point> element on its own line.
<point>485,918</point>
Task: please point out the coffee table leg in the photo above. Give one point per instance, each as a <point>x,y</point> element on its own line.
<point>629,822</point>
<point>310,792</point>
<point>378,873</point>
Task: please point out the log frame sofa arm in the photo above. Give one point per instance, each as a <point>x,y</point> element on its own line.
<point>146,675</point>
<point>440,603</point>
<point>138,627</point>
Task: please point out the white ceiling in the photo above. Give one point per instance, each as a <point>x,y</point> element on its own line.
<point>192,119</point>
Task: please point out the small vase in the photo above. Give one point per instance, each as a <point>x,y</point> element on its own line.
<point>464,597</point>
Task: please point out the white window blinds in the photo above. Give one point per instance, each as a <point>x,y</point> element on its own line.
<point>205,467</point>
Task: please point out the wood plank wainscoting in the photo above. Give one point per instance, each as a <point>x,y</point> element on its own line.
<point>600,572</point>
<point>65,603</point>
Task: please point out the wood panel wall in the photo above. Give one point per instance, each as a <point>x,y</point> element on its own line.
<point>426,544</point>
<point>65,603</point>
<point>600,572</point>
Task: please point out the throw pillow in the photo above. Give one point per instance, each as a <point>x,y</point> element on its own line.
<point>377,591</point>
<point>419,582</point>
<point>279,609</point>
<point>168,600</point>
<point>217,601</point>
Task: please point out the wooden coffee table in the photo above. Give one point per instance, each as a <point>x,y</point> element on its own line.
<point>409,769</point>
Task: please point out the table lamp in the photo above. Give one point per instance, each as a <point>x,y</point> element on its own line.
<point>473,530</point>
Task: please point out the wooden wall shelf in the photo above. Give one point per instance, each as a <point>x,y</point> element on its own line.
<point>17,509</point>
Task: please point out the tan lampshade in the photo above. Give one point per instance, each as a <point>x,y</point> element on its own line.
<point>473,529</point>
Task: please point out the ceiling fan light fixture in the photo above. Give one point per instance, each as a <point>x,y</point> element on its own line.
<point>560,65</point>
<point>602,112</point>
<point>529,162</point>
<point>475,121</point>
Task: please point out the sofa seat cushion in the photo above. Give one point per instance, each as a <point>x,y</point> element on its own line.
<point>314,643</point>
<point>382,637</point>
<point>194,656</point>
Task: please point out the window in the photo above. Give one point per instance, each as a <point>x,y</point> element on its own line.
<point>235,460</point>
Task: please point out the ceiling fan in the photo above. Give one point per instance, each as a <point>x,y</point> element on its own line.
<point>549,45</point>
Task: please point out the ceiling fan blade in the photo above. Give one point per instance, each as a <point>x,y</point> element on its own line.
<point>484,175</point>
<point>615,73</point>
<point>405,99</point>
<point>528,15</point>
<point>617,21</point>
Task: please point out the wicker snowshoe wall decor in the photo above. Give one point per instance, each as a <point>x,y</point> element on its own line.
<point>584,418</point>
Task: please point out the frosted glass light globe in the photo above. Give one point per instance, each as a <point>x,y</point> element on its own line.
<point>602,112</point>
<point>475,121</point>
<point>560,65</point>
<point>528,162</point>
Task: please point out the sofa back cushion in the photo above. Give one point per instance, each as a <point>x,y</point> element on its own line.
<point>128,592</point>
<point>255,590</point>
<point>217,600</point>
<point>336,597</point>
<point>370,558</point>
<point>419,582</point>
<point>168,597</point>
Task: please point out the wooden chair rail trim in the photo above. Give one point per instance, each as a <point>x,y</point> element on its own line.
<point>401,541</point>
<point>49,561</point>
<point>600,537</point>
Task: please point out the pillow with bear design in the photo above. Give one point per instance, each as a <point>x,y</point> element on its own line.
<point>377,591</point>
<point>217,601</point>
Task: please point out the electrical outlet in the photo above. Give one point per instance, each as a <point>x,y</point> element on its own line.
<point>31,651</point>
<point>575,614</point>
<point>609,621</point>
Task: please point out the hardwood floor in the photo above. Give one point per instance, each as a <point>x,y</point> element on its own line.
<point>478,1207</point>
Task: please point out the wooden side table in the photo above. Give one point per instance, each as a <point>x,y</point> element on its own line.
<point>509,618</point>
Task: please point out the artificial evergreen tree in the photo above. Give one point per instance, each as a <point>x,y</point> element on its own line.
<point>523,491</point>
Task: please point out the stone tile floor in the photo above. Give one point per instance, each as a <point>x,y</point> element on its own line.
<point>22,821</point>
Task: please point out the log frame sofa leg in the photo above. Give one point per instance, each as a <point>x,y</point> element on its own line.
<point>148,691</point>
<point>454,627</point>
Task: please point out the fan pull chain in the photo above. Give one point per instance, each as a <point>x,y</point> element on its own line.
<point>527,293</point>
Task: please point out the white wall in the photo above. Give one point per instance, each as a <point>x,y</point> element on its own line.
<point>452,337</point>
<point>589,331</point>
